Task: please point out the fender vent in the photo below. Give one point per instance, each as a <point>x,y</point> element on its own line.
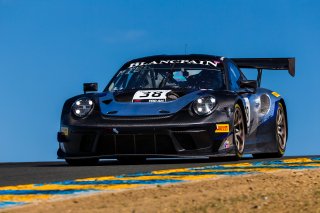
<point>265,104</point>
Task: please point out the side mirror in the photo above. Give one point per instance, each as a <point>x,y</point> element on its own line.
<point>249,84</point>
<point>90,87</point>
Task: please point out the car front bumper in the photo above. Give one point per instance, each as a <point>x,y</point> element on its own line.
<point>109,142</point>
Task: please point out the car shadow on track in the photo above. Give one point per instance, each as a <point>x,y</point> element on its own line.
<point>155,161</point>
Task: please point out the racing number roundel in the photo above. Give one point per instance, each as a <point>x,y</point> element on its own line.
<point>150,96</point>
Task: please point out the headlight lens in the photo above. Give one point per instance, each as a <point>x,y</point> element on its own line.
<point>82,107</point>
<point>204,105</point>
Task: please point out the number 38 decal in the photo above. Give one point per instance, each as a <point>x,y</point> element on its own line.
<point>149,95</point>
<point>154,94</point>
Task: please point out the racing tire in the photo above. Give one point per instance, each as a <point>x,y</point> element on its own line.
<point>280,134</point>
<point>238,132</point>
<point>82,162</point>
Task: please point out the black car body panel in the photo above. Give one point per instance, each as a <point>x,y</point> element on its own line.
<point>116,125</point>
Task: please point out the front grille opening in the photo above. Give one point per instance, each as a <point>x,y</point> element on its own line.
<point>86,143</point>
<point>125,144</point>
<point>109,144</point>
<point>106,145</point>
<point>145,144</point>
<point>186,141</point>
<point>164,145</point>
<point>134,118</point>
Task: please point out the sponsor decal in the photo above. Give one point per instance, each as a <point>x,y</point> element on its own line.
<point>226,144</point>
<point>150,96</point>
<point>247,111</point>
<point>213,63</point>
<point>276,94</point>
<point>222,128</point>
<point>64,131</point>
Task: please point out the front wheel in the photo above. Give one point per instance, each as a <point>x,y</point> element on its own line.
<point>238,132</point>
<point>82,162</point>
<point>280,133</point>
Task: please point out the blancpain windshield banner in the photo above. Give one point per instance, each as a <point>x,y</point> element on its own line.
<point>199,62</point>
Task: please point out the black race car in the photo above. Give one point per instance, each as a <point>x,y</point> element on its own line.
<point>177,105</point>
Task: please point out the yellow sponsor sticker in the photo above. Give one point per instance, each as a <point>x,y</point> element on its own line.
<point>275,94</point>
<point>222,128</point>
<point>64,130</point>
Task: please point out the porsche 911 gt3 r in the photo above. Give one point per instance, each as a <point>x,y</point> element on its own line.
<point>177,105</point>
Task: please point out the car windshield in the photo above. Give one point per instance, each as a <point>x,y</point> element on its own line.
<point>168,77</point>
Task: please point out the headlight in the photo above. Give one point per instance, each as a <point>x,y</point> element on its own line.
<point>82,107</point>
<point>204,105</point>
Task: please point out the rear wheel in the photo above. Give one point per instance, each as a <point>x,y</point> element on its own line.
<point>238,131</point>
<point>280,133</point>
<point>82,162</point>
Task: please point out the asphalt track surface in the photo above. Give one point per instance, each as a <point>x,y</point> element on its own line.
<point>44,172</point>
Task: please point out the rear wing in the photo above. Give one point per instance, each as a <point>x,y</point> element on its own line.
<point>266,63</point>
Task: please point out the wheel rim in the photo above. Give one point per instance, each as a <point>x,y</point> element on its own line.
<point>281,128</point>
<point>238,130</point>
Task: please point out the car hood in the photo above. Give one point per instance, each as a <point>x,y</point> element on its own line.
<point>110,107</point>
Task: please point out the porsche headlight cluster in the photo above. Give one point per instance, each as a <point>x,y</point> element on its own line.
<point>82,107</point>
<point>204,105</point>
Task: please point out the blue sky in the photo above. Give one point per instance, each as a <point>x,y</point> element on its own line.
<point>49,48</point>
